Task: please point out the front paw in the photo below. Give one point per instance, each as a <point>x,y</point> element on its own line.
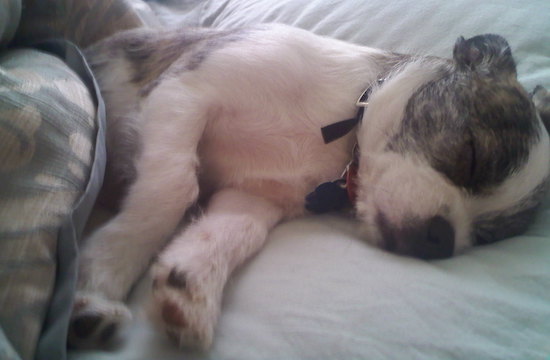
<point>95,322</point>
<point>186,303</point>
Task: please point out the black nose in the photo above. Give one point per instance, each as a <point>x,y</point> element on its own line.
<point>429,239</point>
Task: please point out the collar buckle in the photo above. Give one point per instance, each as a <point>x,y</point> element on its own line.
<point>363,100</point>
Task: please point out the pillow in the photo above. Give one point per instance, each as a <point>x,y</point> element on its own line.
<point>82,22</point>
<point>48,133</point>
<point>10,12</point>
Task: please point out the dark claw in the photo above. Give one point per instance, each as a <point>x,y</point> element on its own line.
<point>85,325</point>
<point>177,279</point>
<point>155,284</point>
<point>108,333</point>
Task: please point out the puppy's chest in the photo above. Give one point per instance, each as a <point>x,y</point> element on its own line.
<point>275,153</point>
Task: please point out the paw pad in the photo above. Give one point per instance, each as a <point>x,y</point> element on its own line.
<point>85,325</point>
<point>172,315</point>
<point>95,322</point>
<point>186,302</point>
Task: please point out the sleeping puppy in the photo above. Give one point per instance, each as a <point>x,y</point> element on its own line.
<point>450,153</point>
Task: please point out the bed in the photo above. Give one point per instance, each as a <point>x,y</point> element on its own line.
<point>319,291</point>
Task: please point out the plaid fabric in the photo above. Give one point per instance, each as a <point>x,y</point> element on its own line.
<point>47,137</point>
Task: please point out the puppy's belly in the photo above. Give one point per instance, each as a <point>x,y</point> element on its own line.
<point>281,168</point>
<point>254,170</point>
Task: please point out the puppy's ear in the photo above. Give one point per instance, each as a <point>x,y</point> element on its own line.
<point>488,54</point>
<point>541,99</point>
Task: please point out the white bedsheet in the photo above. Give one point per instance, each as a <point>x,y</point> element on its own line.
<point>316,291</point>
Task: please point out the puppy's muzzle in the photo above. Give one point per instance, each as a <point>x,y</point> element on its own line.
<point>425,239</point>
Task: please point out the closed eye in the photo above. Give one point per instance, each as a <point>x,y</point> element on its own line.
<point>457,159</point>
<point>472,158</point>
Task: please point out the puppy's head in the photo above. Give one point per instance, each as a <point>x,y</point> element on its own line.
<point>453,153</point>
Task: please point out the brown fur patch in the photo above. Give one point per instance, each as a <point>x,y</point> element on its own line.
<point>151,52</point>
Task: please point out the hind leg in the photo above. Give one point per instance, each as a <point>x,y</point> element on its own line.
<point>116,255</point>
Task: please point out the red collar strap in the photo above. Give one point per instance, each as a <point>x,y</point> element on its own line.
<point>350,175</point>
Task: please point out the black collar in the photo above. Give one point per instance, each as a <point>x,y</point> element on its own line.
<point>341,128</point>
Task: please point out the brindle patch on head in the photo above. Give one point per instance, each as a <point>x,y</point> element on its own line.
<point>475,130</point>
<point>475,124</point>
